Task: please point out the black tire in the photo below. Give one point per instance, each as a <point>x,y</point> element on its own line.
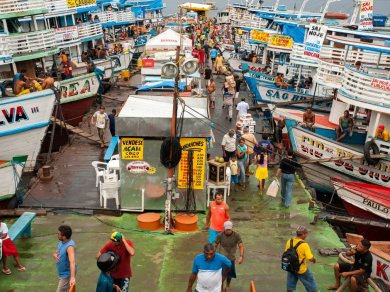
<point>370,148</point>
<point>381,285</point>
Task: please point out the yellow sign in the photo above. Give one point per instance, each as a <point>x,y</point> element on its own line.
<point>260,36</point>
<point>197,146</point>
<point>77,3</point>
<point>281,41</point>
<point>132,148</point>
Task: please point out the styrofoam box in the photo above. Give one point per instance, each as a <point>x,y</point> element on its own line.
<point>253,123</point>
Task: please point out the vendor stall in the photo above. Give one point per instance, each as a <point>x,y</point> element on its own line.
<point>142,125</point>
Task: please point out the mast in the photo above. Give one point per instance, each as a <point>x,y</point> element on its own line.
<point>326,9</point>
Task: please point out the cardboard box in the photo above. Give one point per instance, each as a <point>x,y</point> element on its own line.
<point>217,172</point>
<point>251,128</point>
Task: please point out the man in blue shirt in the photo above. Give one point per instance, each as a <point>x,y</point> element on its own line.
<point>264,146</point>
<point>213,55</point>
<point>210,270</point>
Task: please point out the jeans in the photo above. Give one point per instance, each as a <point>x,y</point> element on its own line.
<point>287,187</point>
<point>306,278</point>
<point>242,165</point>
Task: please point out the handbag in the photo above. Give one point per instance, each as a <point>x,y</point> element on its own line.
<point>273,188</point>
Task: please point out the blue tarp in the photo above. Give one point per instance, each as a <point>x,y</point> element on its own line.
<point>379,20</point>
<point>163,84</point>
<point>297,33</point>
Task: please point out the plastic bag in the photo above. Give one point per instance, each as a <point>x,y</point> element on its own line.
<point>273,188</point>
<point>252,169</point>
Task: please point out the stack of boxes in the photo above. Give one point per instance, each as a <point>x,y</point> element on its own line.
<point>246,121</point>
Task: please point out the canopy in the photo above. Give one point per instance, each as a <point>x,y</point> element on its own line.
<point>168,40</point>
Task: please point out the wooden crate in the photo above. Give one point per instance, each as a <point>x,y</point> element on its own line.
<point>217,172</point>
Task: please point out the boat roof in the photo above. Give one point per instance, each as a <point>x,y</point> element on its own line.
<point>359,44</point>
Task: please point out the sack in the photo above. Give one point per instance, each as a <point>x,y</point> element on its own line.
<point>290,258</point>
<point>273,188</point>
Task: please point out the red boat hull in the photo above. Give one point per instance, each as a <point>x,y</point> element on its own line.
<point>75,111</point>
<point>369,232</point>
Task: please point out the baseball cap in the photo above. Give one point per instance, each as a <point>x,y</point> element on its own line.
<point>228,225</point>
<point>116,236</point>
<point>381,127</point>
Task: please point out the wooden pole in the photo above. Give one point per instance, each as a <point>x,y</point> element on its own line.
<point>353,157</point>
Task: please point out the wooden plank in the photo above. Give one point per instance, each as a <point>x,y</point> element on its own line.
<point>19,212</point>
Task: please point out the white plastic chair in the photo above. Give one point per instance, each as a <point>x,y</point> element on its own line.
<point>109,190</point>
<point>100,169</point>
<point>115,157</point>
<point>110,176</point>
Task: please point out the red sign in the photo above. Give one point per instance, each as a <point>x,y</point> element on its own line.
<point>147,63</point>
<point>381,84</point>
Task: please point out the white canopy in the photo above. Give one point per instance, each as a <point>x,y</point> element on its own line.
<point>168,40</point>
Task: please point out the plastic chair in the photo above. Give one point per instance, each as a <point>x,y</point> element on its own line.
<point>109,190</point>
<point>100,169</point>
<point>110,177</point>
<point>115,157</point>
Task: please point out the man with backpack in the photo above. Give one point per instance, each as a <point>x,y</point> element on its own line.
<point>297,253</point>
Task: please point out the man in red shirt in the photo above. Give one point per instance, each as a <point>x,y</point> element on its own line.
<point>219,212</point>
<point>125,249</point>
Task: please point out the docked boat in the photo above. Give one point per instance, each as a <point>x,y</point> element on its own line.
<point>10,177</point>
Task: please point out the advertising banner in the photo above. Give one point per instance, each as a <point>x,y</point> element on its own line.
<point>132,148</point>
<point>198,148</point>
<point>366,13</point>
<point>281,41</point>
<point>77,3</point>
<point>314,39</point>
<point>259,36</point>
<point>381,84</point>
<point>67,33</point>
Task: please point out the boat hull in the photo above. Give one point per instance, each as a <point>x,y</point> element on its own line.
<point>10,175</point>
<point>77,96</point>
<point>24,121</point>
<point>312,146</point>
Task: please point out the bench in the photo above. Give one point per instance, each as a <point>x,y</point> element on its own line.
<point>111,148</point>
<point>22,226</point>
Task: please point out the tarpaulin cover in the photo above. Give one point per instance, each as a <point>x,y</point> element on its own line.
<point>297,33</point>
<point>162,84</point>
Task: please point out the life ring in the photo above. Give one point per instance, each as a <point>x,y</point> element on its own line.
<point>370,148</point>
<point>346,259</point>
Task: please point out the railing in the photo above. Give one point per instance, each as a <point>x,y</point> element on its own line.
<point>384,146</point>
<point>123,16</point>
<point>20,6</point>
<point>367,87</point>
<point>329,74</point>
<point>67,36</point>
<point>31,42</point>
<point>5,53</point>
<point>55,6</point>
<point>90,30</point>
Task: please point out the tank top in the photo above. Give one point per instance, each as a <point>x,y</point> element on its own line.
<point>218,215</point>
<point>345,123</point>
<point>63,266</point>
<point>242,149</point>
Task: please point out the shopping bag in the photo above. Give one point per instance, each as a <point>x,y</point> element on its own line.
<point>273,188</point>
<point>72,288</point>
<point>252,169</point>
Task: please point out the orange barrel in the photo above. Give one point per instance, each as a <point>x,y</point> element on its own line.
<point>149,221</point>
<point>186,222</point>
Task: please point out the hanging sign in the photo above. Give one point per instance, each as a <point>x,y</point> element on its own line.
<point>67,33</point>
<point>132,148</point>
<point>381,84</point>
<point>281,41</point>
<point>366,13</point>
<point>314,39</point>
<point>77,3</point>
<point>198,148</point>
<point>259,36</point>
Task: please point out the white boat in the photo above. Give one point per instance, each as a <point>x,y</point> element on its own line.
<point>24,120</point>
<point>10,176</point>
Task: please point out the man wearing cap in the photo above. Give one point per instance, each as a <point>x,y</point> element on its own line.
<point>229,145</point>
<point>219,213</point>
<point>125,249</point>
<point>304,255</point>
<point>382,133</point>
<point>229,240</point>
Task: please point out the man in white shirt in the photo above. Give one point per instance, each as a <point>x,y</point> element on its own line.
<point>229,145</point>
<point>100,119</point>
<point>242,108</point>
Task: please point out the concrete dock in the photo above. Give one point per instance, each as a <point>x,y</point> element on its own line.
<point>162,263</point>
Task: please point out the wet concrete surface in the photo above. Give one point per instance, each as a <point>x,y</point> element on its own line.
<point>162,262</point>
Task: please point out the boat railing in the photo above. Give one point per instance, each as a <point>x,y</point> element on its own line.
<point>123,16</point>
<point>5,52</point>
<point>20,7</point>
<point>329,73</point>
<point>370,85</point>
<point>384,146</point>
<point>29,42</point>
<point>120,16</point>
<point>88,31</point>
<point>56,6</point>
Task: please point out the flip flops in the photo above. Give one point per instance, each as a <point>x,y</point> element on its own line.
<point>7,271</point>
<point>22,269</point>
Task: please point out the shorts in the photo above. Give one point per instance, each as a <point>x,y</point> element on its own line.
<point>24,91</point>
<point>101,133</point>
<point>211,96</point>
<point>124,284</point>
<point>213,235</point>
<point>345,131</point>
<point>232,272</point>
<point>213,60</point>
<point>63,284</point>
<point>9,248</point>
<point>234,179</point>
<point>306,278</point>
<point>361,280</point>
<point>237,94</point>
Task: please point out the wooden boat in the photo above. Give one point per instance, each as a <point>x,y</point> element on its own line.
<point>10,175</point>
